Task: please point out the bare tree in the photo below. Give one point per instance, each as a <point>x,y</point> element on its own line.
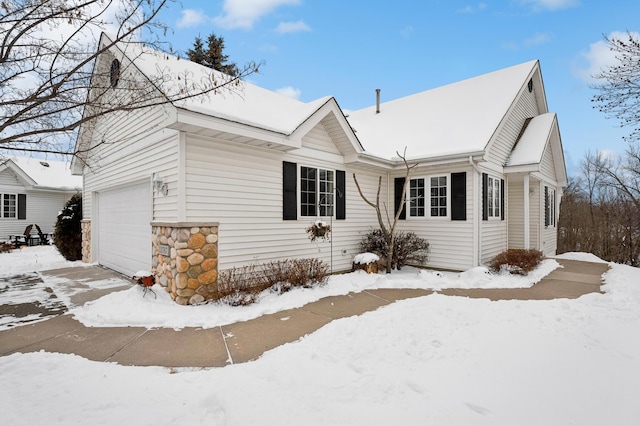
<point>48,53</point>
<point>599,212</point>
<point>388,228</point>
<point>619,91</point>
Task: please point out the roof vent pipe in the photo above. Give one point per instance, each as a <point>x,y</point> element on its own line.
<point>377,101</point>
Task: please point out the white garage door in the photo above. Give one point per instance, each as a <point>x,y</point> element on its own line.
<point>124,229</point>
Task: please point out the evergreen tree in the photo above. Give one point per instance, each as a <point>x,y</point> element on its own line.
<point>213,56</point>
<point>67,235</point>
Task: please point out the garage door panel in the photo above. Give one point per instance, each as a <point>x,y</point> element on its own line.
<point>124,216</point>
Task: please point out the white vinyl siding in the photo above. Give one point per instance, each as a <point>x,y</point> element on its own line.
<point>451,242</point>
<point>240,187</point>
<point>156,154</point>
<point>525,107</point>
<point>42,207</point>
<point>515,216</point>
<point>319,139</point>
<point>547,166</point>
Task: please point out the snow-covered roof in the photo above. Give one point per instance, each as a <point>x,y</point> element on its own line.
<point>48,174</point>
<point>530,147</point>
<point>454,119</point>
<point>245,103</point>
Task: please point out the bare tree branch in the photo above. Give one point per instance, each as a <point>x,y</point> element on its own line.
<point>619,90</point>
<point>48,55</point>
<point>389,229</point>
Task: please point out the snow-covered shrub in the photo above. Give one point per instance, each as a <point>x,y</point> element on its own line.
<point>67,235</point>
<point>516,261</point>
<point>408,248</point>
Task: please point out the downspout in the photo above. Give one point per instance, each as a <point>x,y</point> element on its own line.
<point>527,217</point>
<point>477,223</point>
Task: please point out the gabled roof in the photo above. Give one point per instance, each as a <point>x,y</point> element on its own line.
<point>43,174</point>
<point>541,131</point>
<point>459,118</point>
<point>260,112</point>
<point>243,103</point>
<point>530,147</point>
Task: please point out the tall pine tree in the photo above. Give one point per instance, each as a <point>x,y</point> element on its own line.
<point>213,55</point>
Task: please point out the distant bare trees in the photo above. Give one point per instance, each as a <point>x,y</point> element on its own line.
<point>600,210</point>
<point>600,213</point>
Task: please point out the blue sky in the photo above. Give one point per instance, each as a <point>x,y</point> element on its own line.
<point>347,49</point>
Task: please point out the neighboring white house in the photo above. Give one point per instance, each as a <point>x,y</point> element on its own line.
<point>202,185</point>
<point>33,191</point>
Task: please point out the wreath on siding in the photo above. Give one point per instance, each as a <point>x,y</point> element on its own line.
<point>319,230</point>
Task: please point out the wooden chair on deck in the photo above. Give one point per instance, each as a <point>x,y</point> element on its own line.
<point>44,239</point>
<point>23,239</point>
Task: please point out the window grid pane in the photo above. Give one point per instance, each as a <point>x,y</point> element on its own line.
<point>416,197</point>
<point>493,197</point>
<point>307,191</point>
<point>326,192</point>
<point>9,206</point>
<point>438,196</point>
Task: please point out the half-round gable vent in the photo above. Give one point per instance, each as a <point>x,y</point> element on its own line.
<point>530,85</point>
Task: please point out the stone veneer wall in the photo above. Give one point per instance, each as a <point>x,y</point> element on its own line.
<point>85,226</point>
<point>189,273</point>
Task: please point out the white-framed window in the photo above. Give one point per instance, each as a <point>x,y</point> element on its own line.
<point>493,197</point>
<point>9,206</point>
<point>436,203</point>
<point>316,191</point>
<point>550,207</point>
<point>438,195</point>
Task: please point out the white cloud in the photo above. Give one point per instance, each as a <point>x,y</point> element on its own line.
<point>597,58</point>
<point>550,4</point>
<point>292,27</point>
<point>244,13</point>
<point>191,18</point>
<point>290,92</point>
<point>472,9</point>
<point>537,39</point>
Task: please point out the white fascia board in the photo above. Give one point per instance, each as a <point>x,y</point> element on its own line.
<point>523,168</point>
<point>444,159</point>
<point>236,128</point>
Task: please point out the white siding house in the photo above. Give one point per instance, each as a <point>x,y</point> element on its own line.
<point>33,191</point>
<point>232,179</point>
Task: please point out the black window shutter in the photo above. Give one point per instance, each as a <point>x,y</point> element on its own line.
<point>546,206</point>
<point>289,191</point>
<point>501,199</point>
<point>22,206</point>
<point>341,195</point>
<point>459,196</point>
<point>485,206</point>
<point>398,185</point>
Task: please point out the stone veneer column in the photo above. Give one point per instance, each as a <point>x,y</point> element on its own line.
<point>85,226</point>
<point>185,260</point>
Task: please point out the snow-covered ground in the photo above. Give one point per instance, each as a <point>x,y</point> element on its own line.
<point>429,360</point>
